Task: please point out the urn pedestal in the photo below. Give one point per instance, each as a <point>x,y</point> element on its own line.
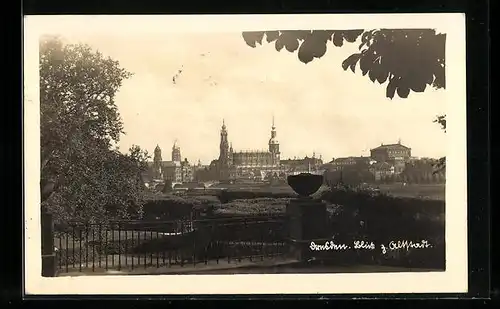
<point>49,265</point>
<point>308,222</point>
<point>308,219</point>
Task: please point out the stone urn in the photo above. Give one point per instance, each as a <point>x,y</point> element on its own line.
<point>305,184</point>
<point>308,219</point>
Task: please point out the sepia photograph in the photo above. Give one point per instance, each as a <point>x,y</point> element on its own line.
<point>182,151</point>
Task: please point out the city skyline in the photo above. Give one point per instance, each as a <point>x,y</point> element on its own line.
<point>166,152</point>
<point>184,84</point>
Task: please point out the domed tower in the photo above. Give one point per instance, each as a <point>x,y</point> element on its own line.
<point>274,146</point>
<point>157,162</point>
<point>176,152</point>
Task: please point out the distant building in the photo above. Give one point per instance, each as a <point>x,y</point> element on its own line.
<point>176,170</point>
<point>397,155</point>
<point>234,165</point>
<point>307,164</point>
<point>172,171</point>
<point>350,170</point>
<point>247,164</point>
<point>382,170</point>
<point>391,152</point>
<point>156,168</point>
<point>358,163</point>
<point>176,153</point>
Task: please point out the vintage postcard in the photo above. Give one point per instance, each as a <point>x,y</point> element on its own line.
<point>257,154</point>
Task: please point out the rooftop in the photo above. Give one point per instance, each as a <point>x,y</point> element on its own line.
<point>388,146</point>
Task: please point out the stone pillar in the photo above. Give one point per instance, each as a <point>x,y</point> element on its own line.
<point>48,255</point>
<point>308,221</point>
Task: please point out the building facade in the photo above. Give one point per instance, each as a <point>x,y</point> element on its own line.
<point>382,170</point>
<point>176,170</point>
<point>397,155</point>
<point>351,163</point>
<point>391,152</point>
<point>307,164</point>
<point>246,164</point>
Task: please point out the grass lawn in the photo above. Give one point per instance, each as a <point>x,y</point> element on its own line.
<point>430,191</point>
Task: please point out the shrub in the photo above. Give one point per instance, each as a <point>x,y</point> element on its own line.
<point>381,218</point>
<point>168,206</point>
<point>204,199</point>
<point>253,206</point>
<point>227,196</point>
<point>76,256</point>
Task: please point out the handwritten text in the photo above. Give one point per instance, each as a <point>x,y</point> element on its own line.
<point>369,245</point>
<point>405,245</point>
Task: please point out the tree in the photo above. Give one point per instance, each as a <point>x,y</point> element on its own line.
<point>440,166</point>
<point>79,123</point>
<point>404,60</point>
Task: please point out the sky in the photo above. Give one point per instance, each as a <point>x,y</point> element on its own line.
<point>318,108</point>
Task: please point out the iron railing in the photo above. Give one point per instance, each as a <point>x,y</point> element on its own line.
<point>129,245</point>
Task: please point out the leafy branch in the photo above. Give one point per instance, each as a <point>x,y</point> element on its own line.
<point>403,59</point>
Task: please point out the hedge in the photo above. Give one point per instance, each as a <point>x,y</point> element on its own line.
<point>73,256</point>
<point>227,196</point>
<point>253,206</point>
<point>382,218</point>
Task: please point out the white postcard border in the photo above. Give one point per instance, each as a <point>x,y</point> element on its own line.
<point>454,279</point>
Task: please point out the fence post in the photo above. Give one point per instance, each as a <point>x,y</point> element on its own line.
<point>308,221</point>
<point>48,254</point>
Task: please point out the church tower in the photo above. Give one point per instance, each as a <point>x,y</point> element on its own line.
<point>157,162</point>
<point>274,146</point>
<point>224,153</point>
<point>176,152</point>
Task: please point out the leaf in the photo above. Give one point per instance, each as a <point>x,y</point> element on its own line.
<point>391,88</point>
<point>253,37</point>
<point>429,78</point>
<point>300,34</point>
<point>418,87</point>
<point>272,36</point>
<point>353,67</point>
<point>372,75</point>
<point>338,40</point>
<point>403,92</point>
<point>416,54</point>
<point>322,35</point>
<point>291,44</point>
<point>364,64</point>
<point>279,44</point>
<point>352,35</point>
<point>351,61</point>
<point>365,39</point>
<point>305,53</point>
<point>383,74</point>
<point>439,80</point>
<point>318,48</point>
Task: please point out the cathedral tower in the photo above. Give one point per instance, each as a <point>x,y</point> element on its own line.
<point>224,153</point>
<point>157,162</point>
<point>274,146</point>
<point>176,152</point>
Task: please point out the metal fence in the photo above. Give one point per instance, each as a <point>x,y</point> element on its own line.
<point>129,245</point>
